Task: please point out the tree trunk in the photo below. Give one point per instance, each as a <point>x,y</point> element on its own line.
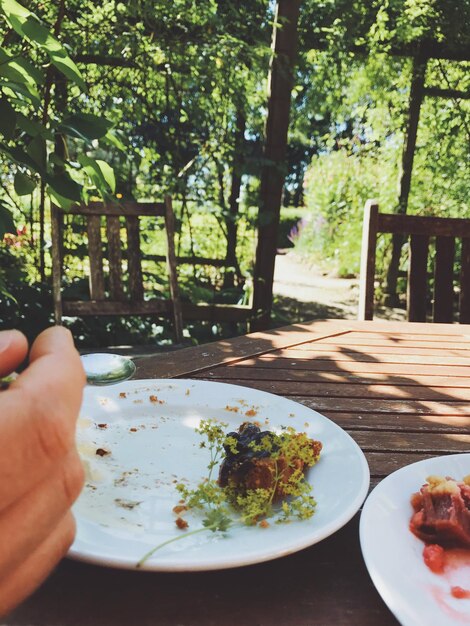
<point>231,254</point>
<point>416,99</point>
<point>273,173</point>
<point>51,75</point>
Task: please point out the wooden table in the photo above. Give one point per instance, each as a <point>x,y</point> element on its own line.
<point>401,390</point>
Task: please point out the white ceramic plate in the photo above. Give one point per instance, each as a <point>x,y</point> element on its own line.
<point>394,556</point>
<point>148,428</point>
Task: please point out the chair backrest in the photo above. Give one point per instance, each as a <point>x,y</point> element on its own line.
<point>421,230</point>
<point>116,287</point>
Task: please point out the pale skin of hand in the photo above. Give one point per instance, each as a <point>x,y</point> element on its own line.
<point>40,471</point>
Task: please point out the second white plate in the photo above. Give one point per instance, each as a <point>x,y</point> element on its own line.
<point>394,556</point>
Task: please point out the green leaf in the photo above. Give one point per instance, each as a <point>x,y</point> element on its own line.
<point>38,152</point>
<point>24,184</point>
<point>19,69</point>
<point>7,119</point>
<point>217,520</point>
<point>86,125</point>
<point>68,68</point>
<point>112,138</point>
<point>27,91</point>
<point>100,173</point>
<point>56,160</point>
<point>31,28</point>
<point>29,71</point>
<point>64,203</point>
<point>7,224</point>
<point>12,7</point>
<point>4,291</point>
<point>37,32</point>
<point>32,127</point>
<point>108,174</point>
<point>18,155</point>
<point>65,186</point>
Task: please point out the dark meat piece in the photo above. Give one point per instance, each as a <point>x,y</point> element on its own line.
<point>249,464</point>
<point>442,512</point>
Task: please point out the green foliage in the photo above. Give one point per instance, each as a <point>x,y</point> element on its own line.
<point>360,156</point>
<point>30,28</point>
<point>25,304</point>
<point>171,97</point>
<point>32,62</point>
<point>337,186</point>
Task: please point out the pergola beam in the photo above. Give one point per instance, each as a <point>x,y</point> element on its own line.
<point>437,92</point>
<point>425,49</point>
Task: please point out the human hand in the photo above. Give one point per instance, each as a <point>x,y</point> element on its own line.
<point>40,471</point>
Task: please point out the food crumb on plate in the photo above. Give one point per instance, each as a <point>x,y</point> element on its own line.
<point>233,409</point>
<point>155,400</point>
<point>181,523</point>
<point>102,452</point>
<point>127,504</point>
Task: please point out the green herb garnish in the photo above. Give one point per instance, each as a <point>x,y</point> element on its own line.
<point>277,490</point>
<point>6,381</point>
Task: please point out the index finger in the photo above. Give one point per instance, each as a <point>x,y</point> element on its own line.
<point>38,414</point>
<point>13,350</point>
<point>55,374</point>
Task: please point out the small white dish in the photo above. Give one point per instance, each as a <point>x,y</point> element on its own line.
<point>144,431</point>
<point>394,556</point>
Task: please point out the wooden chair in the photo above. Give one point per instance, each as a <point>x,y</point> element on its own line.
<point>116,287</point>
<point>420,230</point>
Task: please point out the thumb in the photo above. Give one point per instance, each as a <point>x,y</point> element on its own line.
<point>13,350</point>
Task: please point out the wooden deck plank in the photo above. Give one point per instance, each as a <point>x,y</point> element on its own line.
<point>371,405</point>
<point>328,406</point>
<point>392,327</point>
<point>373,351</point>
<point>383,464</point>
<point>462,344</point>
<point>423,443</point>
<point>350,391</point>
<point>402,422</point>
<point>273,361</point>
<point>463,331</point>
<point>238,371</point>
<point>338,355</point>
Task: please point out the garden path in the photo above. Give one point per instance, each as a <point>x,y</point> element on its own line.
<point>303,292</point>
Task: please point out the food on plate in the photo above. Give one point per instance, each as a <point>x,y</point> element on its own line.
<point>256,459</point>
<point>441,519</point>
<point>261,480</point>
<point>442,512</point>
<point>261,476</point>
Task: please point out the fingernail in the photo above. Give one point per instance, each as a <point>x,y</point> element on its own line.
<point>6,338</point>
